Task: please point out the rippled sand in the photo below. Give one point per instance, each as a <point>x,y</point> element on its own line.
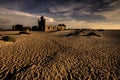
<point>55,56</point>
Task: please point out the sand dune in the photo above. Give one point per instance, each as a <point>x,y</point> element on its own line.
<point>55,56</point>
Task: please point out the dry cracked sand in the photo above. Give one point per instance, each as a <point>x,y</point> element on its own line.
<point>55,56</point>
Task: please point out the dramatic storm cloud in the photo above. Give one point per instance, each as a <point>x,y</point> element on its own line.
<point>74,13</point>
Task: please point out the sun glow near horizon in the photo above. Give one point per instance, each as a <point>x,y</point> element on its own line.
<point>76,14</point>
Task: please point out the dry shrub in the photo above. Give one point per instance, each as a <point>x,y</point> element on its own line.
<point>76,32</point>
<point>92,34</point>
<point>24,32</point>
<point>100,30</point>
<point>8,38</point>
<point>70,34</point>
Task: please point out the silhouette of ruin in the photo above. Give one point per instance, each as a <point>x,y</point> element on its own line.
<point>17,27</point>
<point>34,28</point>
<point>20,27</point>
<point>43,27</point>
<point>41,24</point>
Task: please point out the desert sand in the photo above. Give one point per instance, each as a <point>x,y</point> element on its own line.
<point>55,56</point>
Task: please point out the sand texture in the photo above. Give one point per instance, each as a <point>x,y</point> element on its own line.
<point>55,56</point>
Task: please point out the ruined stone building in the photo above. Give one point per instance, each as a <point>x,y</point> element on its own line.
<point>20,27</point>
<point>43,27</point>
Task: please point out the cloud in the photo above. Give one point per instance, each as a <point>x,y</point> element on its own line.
<point>89,17</point>
<point>12,17</point>
<point>92,25</point>
<point>64,7</point>
<point>111,15</point>
<point>87,10</point>
<point>59,9</point>
<point>76,13</point>
<point>4,21</point>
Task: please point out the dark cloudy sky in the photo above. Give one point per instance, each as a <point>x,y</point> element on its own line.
<point>74,13</point>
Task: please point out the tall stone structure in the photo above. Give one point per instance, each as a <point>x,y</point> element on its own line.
<point>43,27</point>
<point>41,24</point>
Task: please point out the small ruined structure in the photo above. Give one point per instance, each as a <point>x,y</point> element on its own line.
<point>26,28</point>
<point>20,27</point>
<point>17,27</point>
<point>43,27</point>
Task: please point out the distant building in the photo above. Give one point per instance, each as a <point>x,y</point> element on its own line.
<point>34,28</point>
<point>17,27</point>
<point>27,28</point>
<point>20,27</point>
<point>41,24</point>
<point>43,27</point>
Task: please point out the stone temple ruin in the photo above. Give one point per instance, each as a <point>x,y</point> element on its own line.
<point>43,27</point>
<point>20,27</point>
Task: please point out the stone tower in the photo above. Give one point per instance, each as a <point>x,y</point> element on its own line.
<point>41,24</point>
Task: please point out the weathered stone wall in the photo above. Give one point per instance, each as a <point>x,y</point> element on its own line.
<point>43,27</point>
<point>54,28</point>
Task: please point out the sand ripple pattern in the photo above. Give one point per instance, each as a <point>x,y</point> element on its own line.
<point>48,56</point>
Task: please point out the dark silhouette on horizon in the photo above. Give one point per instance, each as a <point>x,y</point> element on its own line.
<point>17,27</point>
<point>41,26</point>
